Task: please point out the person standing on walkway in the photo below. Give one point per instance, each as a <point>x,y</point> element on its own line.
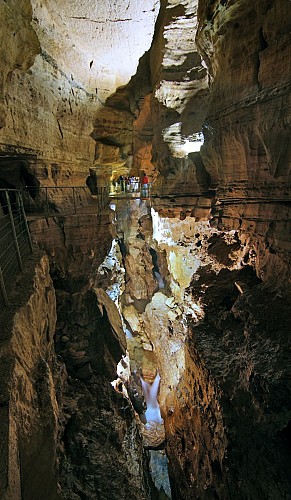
<point>145,186</point>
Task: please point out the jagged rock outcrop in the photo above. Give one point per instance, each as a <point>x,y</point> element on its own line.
<point>223,397</point>
<point>89,333</point>
<point>76,245</point>
<point>140,280</point>
<point>180,94</point>
<point>170,83</point>
<point>66,432</point>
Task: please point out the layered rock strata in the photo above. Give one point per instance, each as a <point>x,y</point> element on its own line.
<point>55,77</point>
<point>76,245</point>
<point>223,396</point>
<point>246,150</point>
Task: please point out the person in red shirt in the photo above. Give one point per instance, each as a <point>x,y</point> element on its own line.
<point>145,186</point>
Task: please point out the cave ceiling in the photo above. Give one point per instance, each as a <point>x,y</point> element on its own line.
<point>96,41</point>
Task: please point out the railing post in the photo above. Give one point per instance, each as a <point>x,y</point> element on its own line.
<point>74,199</point>
<point>20,200</point>
<point>46,200</point>
<point>13,230</point>
<point>3,289</point>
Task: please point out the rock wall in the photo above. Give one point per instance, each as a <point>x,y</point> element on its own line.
<point>19,45</point>
<point>58,66</point>
<point>246,151</point>
<point>66,432</point>
<point>227,416</point>
<point>51,132</point>
<point>100,448</point>
<point>180,96</point>
<point>76,245</point>
<point>240,345</point>
<point>218,336</point>
<point>29,408</point>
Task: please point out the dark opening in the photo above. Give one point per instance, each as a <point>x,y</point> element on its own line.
<point>154,256</point>
<point>286,433</point>
<point>29,181</point>
<point>262,41</point>
<point>92,183</point>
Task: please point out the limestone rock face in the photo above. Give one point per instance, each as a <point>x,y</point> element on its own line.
<point>29,408</point>
<point>101,453</point>
<point>99,43</point>
<point>59,64</point>
<point>92,340</point>
<point>76,246</point>
<point>247,153</point>
<point>19,44</point>
<point>132,228</point>
<point>195,431</point>
<point>100,449</point>
<point>180,95</point>
<point>239,390</point>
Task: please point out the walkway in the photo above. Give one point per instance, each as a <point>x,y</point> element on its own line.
<point>15,242</point>
<point>58,201</point>
<point>29,203</point>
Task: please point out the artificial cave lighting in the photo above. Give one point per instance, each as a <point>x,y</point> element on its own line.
<point>193,143</point>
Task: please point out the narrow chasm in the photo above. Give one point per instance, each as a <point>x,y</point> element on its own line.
<point>192,310</point>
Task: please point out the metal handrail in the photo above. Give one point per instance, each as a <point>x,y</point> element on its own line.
<point>130,190</point>
<point>45,201</point>
<point>15,240</point>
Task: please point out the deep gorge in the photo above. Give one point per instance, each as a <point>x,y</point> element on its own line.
<point>190,284</point>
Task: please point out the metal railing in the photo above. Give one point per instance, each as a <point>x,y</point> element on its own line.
<point>130,189</point>
<point>15,241</point>
<point>63,200</point>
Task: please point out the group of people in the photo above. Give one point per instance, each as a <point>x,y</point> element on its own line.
<point>132,185</point>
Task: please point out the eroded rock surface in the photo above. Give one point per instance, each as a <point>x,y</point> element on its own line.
<point>29,386</point>
<point>246,151</point>
<point>241,392</point>
<point>100,449</point>
<point>221,347</point>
